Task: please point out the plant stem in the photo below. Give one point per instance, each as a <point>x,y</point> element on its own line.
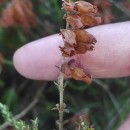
<point>61,100</point>
<point>61,94</point>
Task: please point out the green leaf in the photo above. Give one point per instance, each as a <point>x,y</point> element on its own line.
<point>10,98</point>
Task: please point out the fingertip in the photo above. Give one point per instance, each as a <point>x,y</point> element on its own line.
<point>37,60</point>
<point>19,59</point>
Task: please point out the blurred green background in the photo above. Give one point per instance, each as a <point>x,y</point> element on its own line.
<point>106,101</point>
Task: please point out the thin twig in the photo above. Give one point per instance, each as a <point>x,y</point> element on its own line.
<point>61,96</point>
<point>28,108</point>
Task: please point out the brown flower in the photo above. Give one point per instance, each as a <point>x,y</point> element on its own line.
<point>66,69</point>
<point>89,20</point>
<point>68,6</point>
<point>83,7</point>
<point>68,36</point>
<point>76,39</point>
<point>75,72</point>
<point>84,42</point>
<point>82,48</point>
<point>18,13</point>
<point>84,37</point>
<point>67,51</point>
<point>76,42</point>
<point>75,21</point>
<point>79,74</point>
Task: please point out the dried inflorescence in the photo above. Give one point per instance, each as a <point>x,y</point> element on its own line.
<point>18,13</point>
<point>78,15</point>
<point>105,10</point>
<point>75,72</point>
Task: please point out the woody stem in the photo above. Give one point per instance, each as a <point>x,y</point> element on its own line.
<point>61,96</point>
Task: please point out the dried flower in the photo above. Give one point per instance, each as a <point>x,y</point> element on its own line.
<point>84,37</point>
<point>89,20</point>
<point>68,36</point>
<point>76,39</point>
<point>83,7</point>
<point>79,74</point>
<point>67,51</point>
<point>81,48</point>
<point>75,21</point>
<point>68,6</point>
<point>75,72</point>
<point>18,13</point>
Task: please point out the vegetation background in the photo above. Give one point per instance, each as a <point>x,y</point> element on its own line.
<point>106,102</point>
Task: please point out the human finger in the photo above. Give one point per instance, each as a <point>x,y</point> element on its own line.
<point>110,59</point>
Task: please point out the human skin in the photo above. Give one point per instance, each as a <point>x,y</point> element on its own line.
<point>110,59</point>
